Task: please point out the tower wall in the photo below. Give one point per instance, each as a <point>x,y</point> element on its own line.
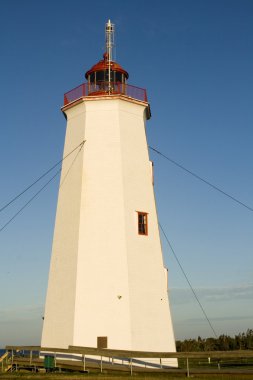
<point>102,297</point>
<point>58,326</point>
<point>106,279</point>
<point>150,313</point>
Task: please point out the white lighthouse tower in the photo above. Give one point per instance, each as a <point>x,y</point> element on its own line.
<point>107,283</point>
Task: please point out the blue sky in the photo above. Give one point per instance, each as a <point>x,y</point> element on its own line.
<point>195,58</point>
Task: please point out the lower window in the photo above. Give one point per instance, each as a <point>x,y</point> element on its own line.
<point>102,342</point>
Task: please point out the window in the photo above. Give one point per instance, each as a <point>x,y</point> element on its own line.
<point>142,223</point>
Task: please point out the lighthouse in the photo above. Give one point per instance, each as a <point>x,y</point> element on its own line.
<point>107,284</point>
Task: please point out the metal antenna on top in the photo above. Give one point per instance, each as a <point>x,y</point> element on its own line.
<point>109,42</point>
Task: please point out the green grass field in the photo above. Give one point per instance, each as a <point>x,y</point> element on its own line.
<point>93,376</point>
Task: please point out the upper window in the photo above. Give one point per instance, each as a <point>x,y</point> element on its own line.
<point>142,223</point>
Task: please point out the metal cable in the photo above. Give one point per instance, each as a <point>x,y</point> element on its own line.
<point>44,186</point>
<point>38,179</point>
<point>188,281</point>
<point>202,179</point>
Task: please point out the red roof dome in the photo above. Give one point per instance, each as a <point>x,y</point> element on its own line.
<point>104,65</point>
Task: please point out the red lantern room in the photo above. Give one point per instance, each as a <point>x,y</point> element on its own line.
<point>106,78</point>
<point>100,72</point>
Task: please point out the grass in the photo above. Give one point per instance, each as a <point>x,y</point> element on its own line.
<point>93,376</point>
<point>194,364</point>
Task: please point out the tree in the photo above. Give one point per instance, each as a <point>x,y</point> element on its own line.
<point>242,341</point>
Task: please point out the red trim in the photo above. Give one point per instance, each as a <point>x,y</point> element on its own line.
<point>101,89</point>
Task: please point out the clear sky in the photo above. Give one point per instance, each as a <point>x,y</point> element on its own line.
<point>195,57</point>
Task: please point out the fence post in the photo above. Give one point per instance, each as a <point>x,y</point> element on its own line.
<point>101,365</point>
<point>188,369</point>
<point>31,355</point>
<point>84,362</point>
<point>131,366</point>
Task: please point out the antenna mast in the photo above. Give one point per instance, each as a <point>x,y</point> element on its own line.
<point>109,42</point>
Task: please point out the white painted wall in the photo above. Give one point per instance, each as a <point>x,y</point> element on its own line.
<point>105,279</point>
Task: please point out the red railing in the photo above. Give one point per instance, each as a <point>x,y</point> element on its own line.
<point>103,88</point>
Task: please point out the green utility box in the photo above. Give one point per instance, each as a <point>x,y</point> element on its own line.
<point>49,362</point>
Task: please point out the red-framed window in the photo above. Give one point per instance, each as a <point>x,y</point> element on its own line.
<point>142,223</point>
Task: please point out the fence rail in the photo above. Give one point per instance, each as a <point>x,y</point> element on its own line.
<point>4,361</point>
<point>100,359</point>
<point>105,88</point>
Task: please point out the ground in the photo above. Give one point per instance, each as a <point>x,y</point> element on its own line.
<point>93,376</point>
